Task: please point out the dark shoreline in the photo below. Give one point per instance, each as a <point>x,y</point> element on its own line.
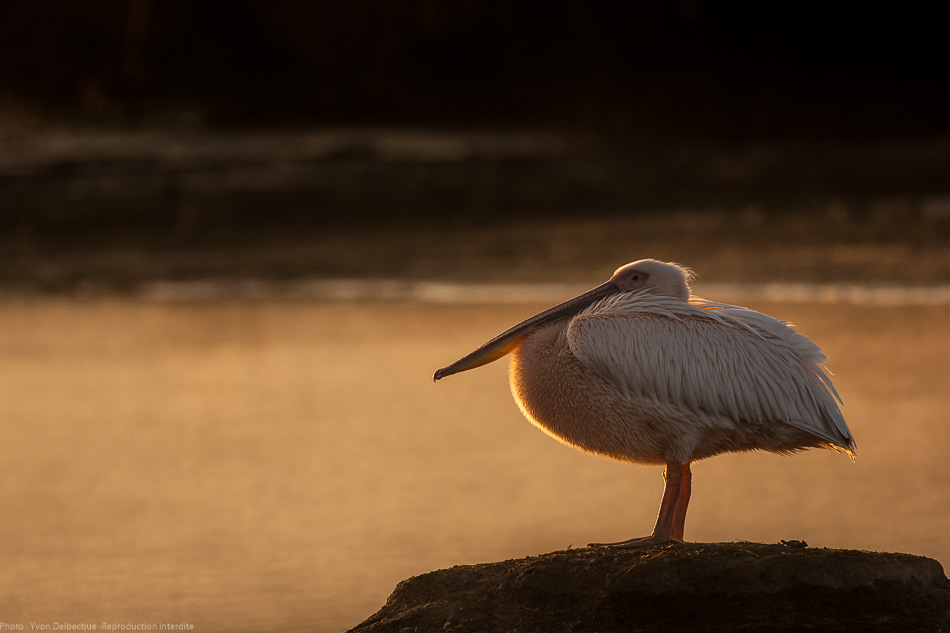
<point>111,209</point>
<point>706,587</point>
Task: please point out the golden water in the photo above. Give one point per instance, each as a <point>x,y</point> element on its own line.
<point>281,465</point>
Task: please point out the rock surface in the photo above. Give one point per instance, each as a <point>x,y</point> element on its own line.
<point>708,587</point>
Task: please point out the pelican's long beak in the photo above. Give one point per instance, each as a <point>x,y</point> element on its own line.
<point>508,340</point>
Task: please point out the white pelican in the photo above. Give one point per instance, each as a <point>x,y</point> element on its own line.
<point>638,370</point>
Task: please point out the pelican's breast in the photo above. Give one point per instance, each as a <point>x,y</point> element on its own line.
<point>559,394</point>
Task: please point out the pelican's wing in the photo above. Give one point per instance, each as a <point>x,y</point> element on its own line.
<point>710,357</point>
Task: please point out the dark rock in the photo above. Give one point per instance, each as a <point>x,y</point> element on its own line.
<point>708,587</point>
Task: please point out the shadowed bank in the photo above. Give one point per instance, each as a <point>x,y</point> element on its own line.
<point>697,587</point>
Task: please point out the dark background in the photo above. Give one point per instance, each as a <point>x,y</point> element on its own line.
<point>665,70</point>
<point>146,139</point>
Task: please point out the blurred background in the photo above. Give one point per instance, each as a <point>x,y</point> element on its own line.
<point>236,238</point>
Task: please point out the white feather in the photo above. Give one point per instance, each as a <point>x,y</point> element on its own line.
<point>710,357</point>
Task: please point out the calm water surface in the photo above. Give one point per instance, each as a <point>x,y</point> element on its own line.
<point>251,466</point>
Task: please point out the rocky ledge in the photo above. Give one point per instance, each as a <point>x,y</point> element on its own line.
<point>708,587</point>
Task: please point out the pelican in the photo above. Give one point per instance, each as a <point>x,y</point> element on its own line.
<point>640,371</point>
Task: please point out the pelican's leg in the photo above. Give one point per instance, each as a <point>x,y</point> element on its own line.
<point>672,515</point>
<point>682,501</point>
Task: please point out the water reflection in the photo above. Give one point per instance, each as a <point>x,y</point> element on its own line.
<point>282,464</point>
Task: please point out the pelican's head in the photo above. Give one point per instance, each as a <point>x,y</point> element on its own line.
<point>659,277</point>
<point>645,274</point>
